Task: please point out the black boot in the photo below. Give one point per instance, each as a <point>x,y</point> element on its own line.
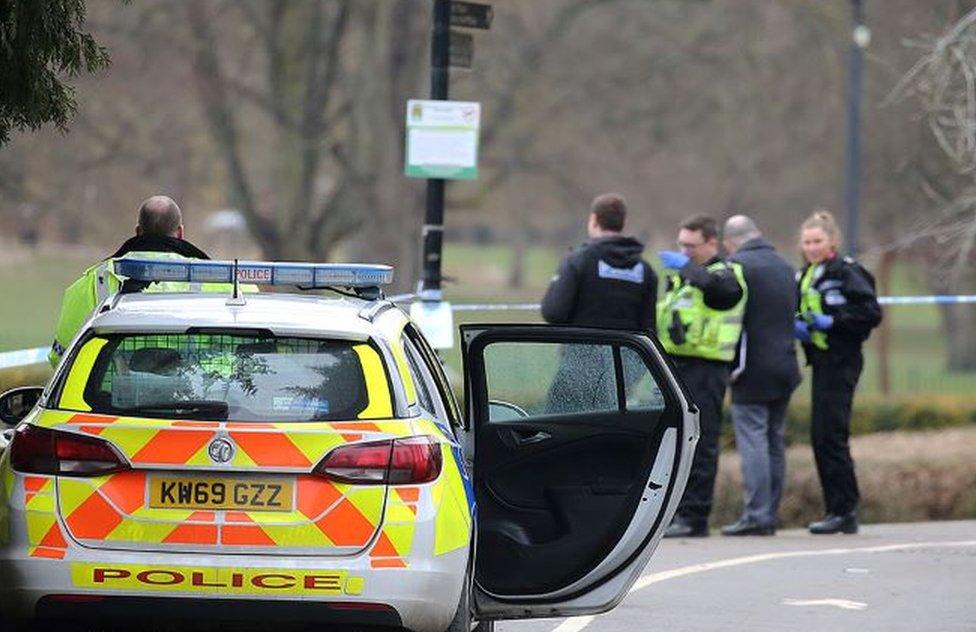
<point>747,526</point>
<point>833,523</point>
<point>681,528</point>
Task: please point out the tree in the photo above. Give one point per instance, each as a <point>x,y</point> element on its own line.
<point>309,130</point>
<point>943,81</point>
<point>41,42</point>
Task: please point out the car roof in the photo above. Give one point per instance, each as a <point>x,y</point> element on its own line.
<point>283,314</point>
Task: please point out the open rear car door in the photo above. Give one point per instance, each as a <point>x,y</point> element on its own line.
<point>583,440</point>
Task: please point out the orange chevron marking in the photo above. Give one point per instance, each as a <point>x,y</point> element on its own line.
<point>34,483</point>
<point>250,535</point>
<point>94,519</point>
<point>202,516</point>
<point>127,490</point>
<point>388,563</point>
<point>54,554</point>
<point>365,426</point>
<point>193,534</point>
<point>270,449</point>
<point>384,548</point>
<point>315,495</point>
<point>408,494</point>
<point>173,446</point>
<point>237,516</point>
<point>83,418</point>
<point>28,496</point>
<point>350,437</point>
<point>196,424</point>
<point>93,430</point>
<point>345,526</point>
<point>54,538</point>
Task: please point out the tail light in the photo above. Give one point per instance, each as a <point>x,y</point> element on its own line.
<point>36,450</point>
<point>394,462</point>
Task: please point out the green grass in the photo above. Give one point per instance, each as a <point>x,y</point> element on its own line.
<point>33,286</point>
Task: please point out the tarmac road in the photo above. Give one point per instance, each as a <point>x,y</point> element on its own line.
<point>901,577</point>
<point>908,577</point>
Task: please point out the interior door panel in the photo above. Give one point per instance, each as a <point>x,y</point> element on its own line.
<point>558,485</point>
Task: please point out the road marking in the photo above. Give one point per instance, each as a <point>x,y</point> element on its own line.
<point>576,624</point>
<point>843,604</point>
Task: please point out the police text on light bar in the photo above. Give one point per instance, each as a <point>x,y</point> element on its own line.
<point>312,275</point>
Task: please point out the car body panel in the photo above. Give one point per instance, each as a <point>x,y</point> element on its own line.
<point>342,543</point>
<point>350,547</point>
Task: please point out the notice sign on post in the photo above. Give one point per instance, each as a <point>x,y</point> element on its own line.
<point>442,139</point>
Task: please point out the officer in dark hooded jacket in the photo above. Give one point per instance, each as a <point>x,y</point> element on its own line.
<point>604,283</point>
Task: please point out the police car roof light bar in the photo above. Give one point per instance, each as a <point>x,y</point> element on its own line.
<point>303,275</point>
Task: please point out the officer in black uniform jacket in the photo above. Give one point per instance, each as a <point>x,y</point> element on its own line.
<point>605,282</point>
<point>837,311</point>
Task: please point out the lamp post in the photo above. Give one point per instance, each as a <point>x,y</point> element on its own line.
<point>433,236</point>
<point>861,38</point>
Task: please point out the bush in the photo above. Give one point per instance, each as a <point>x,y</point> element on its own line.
<point>903,477</point>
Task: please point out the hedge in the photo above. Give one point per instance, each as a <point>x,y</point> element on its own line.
<point>871,415</point>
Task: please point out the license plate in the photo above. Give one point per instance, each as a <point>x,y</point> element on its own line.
<point>257,494</point>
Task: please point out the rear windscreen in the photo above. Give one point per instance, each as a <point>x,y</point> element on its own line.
<point>228,376</point>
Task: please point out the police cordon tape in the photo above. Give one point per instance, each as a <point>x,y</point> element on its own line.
<point>884,300</point>
<point>29,357</point>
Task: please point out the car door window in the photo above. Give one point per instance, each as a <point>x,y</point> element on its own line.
<point>434,366</point>
<point>641,390</point>
<point>420,379</point>
<point>566,379</point>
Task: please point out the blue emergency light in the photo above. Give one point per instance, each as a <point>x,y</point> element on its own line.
<point>305,275</point>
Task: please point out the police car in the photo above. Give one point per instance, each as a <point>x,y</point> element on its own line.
<point>287,456</point>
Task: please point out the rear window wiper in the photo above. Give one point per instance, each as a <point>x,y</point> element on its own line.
<point>210,408</point>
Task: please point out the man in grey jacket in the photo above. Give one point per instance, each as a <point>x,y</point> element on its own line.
<point>764,375</point>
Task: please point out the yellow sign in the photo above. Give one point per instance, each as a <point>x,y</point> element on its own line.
<point>221,493</point>
<point>219,581</point>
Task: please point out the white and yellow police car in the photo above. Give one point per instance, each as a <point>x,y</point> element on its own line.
<point>296,457</point>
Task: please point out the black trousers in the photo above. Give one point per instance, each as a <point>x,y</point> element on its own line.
<point>834,380</point>
<point>707,381</point>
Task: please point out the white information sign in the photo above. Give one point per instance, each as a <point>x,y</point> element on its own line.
<point>442,139</point>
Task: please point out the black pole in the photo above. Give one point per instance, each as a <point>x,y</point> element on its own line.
<point>852,182</point>
<point>433,234</point>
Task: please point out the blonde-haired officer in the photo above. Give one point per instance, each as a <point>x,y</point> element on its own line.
<point>837,311</point>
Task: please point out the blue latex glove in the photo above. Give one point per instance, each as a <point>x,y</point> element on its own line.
<point>821,322</point>
<point>673,259</point>
<point>801,330</point>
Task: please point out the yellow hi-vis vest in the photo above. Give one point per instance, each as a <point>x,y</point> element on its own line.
<point>812,303</point>
<point>710,334</point>
<point>100,282</point>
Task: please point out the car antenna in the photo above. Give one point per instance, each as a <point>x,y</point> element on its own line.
<point>236,299</point>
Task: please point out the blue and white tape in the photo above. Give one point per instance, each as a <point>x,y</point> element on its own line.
<point>884,300</point>
<point>24,357</point>
<point>926,300</point>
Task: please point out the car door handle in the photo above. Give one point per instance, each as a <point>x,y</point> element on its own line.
<point>522,439</point>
